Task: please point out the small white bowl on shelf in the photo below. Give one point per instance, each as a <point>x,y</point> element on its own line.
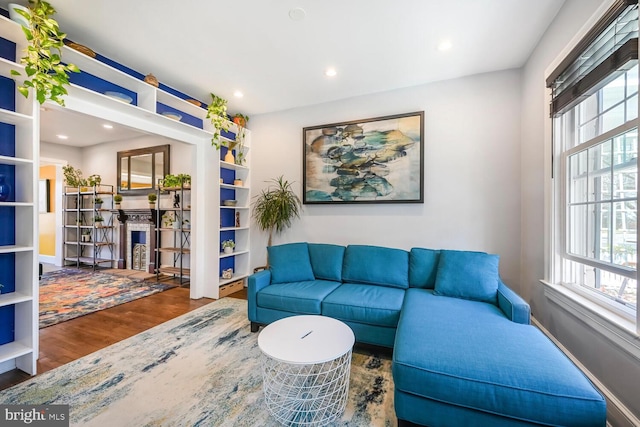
<point>118,96</point>
<point>172,115</point>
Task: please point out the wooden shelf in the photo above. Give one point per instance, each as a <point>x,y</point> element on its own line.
<point>88,260</point>
<point>175,270</point>
<point>175,250</point>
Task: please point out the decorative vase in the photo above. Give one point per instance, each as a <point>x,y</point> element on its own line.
<point>237,182</point>
<point>117,205</point>
<point>98,206</point>
<point>151,79</point>
<point>5,189</point>
<point>228,250</point>
<point>229,157</point>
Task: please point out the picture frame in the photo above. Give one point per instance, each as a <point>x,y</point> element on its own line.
<point>375,160</point>
<point>44,193</point>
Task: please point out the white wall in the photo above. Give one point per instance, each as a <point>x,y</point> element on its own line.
<point>617,370</point>
<point>472,171</point>
<point>73,155</point>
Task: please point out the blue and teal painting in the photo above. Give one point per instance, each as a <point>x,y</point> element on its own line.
<point>371,161</point>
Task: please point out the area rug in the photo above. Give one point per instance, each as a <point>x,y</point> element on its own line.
<point>69,293</point>
<point>199,369</point>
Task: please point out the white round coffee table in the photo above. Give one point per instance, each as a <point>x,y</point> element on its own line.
<point>305,369</point>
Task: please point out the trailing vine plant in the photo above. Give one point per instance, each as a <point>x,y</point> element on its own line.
<point>47,75</point>
<point>217,112</point>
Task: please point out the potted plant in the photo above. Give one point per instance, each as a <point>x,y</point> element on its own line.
<point>240,119</point>
<point>117,199</point>
<point>227,246</point>
<point>97,203</point>
<point>276,206</point>
<point>186,224</point>
<point>152,197</point>
<point>94,180</point>
<point>98,220</point>
<point>185,180</point>
<point>86,236</point>
<point>168,220</point>
<point>73,176</point>
<point>46,74</point>
<point>217,112</point>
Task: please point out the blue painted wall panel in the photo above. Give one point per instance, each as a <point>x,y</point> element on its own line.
<point>7,273</point>
<point>186,118</point>
<point>8,324</point>
<point>7,49</point>
<point>99,85</point>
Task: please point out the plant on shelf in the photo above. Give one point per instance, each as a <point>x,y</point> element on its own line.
<point>217,112</point>
<point>152,197</point>
<point>94,180</point>
<point>168,219</point>
<point>73,177</point>
<point>276,206</point>
<point>240,119</point>
<point>176,181</point>
<point>46,74</point>
<point>97,202</point>
<point>98,220</point>
<point>117,199</point>
<point>228,245</point>
<point>186,224</point>
<point>185,180</point>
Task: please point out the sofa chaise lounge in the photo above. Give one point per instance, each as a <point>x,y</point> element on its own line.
<point>464,352</point>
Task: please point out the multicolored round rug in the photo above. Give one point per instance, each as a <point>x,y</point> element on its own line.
<point>69,293</point>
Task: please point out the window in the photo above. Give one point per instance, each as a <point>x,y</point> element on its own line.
<point>595,136</point>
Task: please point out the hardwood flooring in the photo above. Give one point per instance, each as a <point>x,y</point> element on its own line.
<point>70,340</point>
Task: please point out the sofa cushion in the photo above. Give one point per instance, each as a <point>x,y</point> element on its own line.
<point>468,354</point>
<point>290,263</point>
<point>423,266</point>
<point>326,261</point>
<point>372,305</point>
<point>296,297</point>
<point>376,265</point>
<point>468,275</point>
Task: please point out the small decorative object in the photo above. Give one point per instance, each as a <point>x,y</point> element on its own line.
<point>86,236</point>
<point>15,16</point>
<point>176,200</point>
<point>152,197</point>
<point>118,96</point>
<point>237,219</point>
<point>229,157</point>
<point>221,181</point>
<point>97,202</point>
<point>186,224</point>
<point>229,202</point>
<point>168,219</point>
<point>228,245</point>
<point>227,274</point>
<point>237,182</point>
<point>117,199</point>
<point>5,189</point>
<point>194,102</point>
<point>80,48</point>
<point>98,220</point>
<point>151,79</point>
<point>172,115</point>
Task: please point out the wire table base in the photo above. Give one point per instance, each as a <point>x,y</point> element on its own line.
<point>306,395</point>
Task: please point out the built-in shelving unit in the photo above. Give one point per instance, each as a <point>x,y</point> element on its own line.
<point>88,241</point>
<point>235,220</point>
<point>173,233</point>
<point>19,146</point>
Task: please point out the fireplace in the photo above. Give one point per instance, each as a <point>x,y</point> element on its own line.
<point>137,239</point>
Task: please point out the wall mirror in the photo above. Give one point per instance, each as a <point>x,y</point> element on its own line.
<point>139,170</point>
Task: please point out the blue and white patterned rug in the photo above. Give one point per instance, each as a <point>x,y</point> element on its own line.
<point>199,369</point>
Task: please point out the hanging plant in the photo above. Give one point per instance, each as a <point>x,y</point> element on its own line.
<point>46,74</point>
<point>217,112</point>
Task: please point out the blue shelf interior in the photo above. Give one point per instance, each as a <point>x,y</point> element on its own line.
<point>186,118</point>
<point>96,84</point>
<point>227,216</point>
<point>7,50</point>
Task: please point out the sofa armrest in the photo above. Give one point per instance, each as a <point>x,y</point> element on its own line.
<point>256,283</point>
<point>513,306</point>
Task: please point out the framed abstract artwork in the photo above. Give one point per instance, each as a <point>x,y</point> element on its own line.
<point>378,160</point>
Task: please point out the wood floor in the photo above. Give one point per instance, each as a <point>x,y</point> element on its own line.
<point>71,340</point>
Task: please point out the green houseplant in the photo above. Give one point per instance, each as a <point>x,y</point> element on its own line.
<point>276,206</point>
<point>228,245</point>
<point>152,197</point>
<point>117,199</point>
<point>98,220</point>
<point>73,176</point>
<point>46,74</point>
<point>217,112</point>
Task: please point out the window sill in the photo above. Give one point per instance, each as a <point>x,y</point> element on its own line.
<point>616,328</point>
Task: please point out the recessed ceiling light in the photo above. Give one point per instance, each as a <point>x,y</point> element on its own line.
<point>60,136</point>
<point>444,45</point>
<point>330,72</point>
<point>238,94</point>
<point>107,126</point>
<point>297,14</point>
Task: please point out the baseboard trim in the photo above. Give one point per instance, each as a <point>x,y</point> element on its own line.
<point>616,410</point>
<point>47,259</point>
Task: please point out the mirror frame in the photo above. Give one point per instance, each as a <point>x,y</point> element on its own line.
<point>164,149</point>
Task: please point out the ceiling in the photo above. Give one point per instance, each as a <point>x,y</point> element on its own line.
<point>200,46</point>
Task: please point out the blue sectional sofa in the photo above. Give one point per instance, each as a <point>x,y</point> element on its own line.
<point>464,352</point>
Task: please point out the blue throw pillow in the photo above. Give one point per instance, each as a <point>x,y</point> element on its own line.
<point>326,261</point>
<point>468,275</point>
<point>290,263</point>
<point>423,266</point>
